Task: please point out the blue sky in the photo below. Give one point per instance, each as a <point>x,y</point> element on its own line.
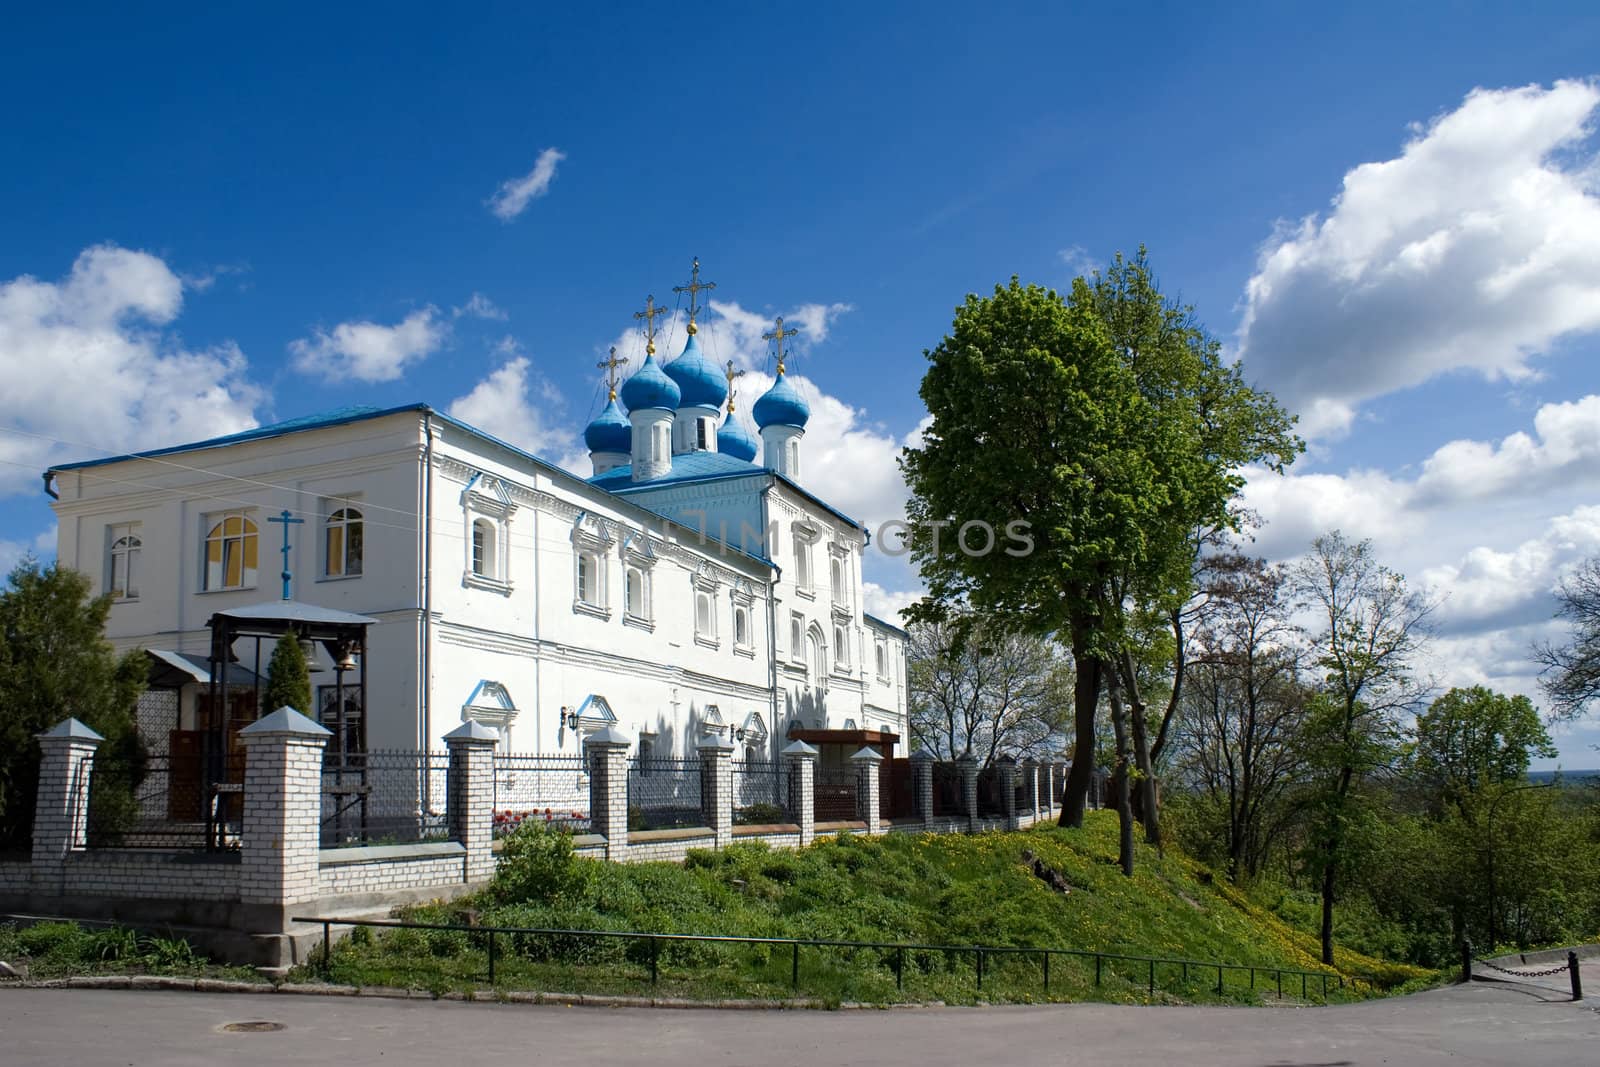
<point>258,185</point>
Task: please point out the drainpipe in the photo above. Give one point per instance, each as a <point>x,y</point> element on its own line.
<point>425,582</point>
<point>773,736</point>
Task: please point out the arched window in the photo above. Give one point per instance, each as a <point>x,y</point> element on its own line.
<point>231,553</point>
<point>122,571</point>
<point>836,573</point>
<point>633,594</point>
<point>795,629</point>
<point>793,449</point>
<point>662,441</point>
<point>344,543</point>
<point>841,646</point>
<point>483,562</point>
<point>741,627</point>
<point>705,618</point>
<point>883,660</point>
<point>802,563</point>
<point>589,579</point>
<point>815,661</point>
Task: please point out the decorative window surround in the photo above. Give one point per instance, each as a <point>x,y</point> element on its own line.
<point>638,601</point>
<point>124,547</point>
<point>704,588</point>
<point>490,703</point>
<point>488,547</point>
<point>591,550</point>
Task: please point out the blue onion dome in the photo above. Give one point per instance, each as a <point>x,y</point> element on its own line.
<point>736,441</point>
<point>782,405</point>
<point>610,431</point>
<point>650,388</point>
<point>700,383</point>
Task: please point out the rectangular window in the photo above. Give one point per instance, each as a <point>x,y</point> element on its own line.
<point>701,441</point>
<point>802,564</point>
<point>122,566</point>
<point>344,543</point>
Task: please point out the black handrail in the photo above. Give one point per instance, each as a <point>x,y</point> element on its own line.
<point>900,948</point>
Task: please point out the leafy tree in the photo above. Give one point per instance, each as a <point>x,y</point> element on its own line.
<point>1474,739</point>
<point>54,664</point>
<point>1109,422</point>
<point>1372,628</point>
<point>288,677</point>
<point>1244,710</point>
<point>1572,670</point>
<point>975,689</point>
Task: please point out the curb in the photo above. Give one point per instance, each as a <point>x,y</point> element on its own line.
<point>476,996</point>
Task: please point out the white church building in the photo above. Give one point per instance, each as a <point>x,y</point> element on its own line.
<point>690,584</point>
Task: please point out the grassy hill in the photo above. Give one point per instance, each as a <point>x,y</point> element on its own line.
<point>929,889</point>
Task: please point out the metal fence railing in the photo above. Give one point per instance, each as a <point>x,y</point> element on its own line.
<point>1151,972</point>
<point>548,789</point>
<point>760,793</point>
<point>947,790</point>
<point>664,794</point>
<point>834,794</point>
<point>155,801</point>
<point>384,798</point>
<point>991,797</point>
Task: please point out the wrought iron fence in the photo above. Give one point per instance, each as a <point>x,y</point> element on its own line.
<point>664,794</point>
<point>834,794</point>
<point>760,793</point>
<point>384,798</point>
<point>548,789</point>
<point>947,790</point>
<point>155,801</point>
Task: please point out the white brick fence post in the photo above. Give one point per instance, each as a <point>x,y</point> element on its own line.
<point>1030,787</point>
<point>608,789</point>
<point>922,783</point>
<point>1047,777</point>
<point>61,811</point>
<point>968,766</point>
<point>1007,775</point>
<point>281,835</point>
<point>868,763</point>
<point>470,795</point>
<point>716,787</point>
<point>802,765</point>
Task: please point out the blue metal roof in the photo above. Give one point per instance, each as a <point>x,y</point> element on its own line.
<point>610,431</point>
<point>886,625</point>
<point>650,388</point>
<point>782,405</point>
<point>700,383</point>
<point>736,441</point>
<point>337,417</point>
<point>694,467</point>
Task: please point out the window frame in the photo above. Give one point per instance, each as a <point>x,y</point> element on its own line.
<point>346,519</point>
<point>124,541</point>
<point>249,537</point>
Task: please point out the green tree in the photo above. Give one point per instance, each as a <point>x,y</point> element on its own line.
<point>1474,739</point>
<point>54,664</point>
<point>1572,670</point>
<point>288,677</point>
<point>1372,629</point>
<point>1108,423</point>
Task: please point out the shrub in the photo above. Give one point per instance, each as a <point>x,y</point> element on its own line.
<point>536,865</point>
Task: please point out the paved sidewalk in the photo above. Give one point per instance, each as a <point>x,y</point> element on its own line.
<point>1475,1024</point>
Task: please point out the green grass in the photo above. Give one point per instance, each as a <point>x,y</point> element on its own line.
<point>64,949</point>
<point>930,889</point>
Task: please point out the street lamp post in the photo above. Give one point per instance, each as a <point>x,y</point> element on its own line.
<point>1490,832</point>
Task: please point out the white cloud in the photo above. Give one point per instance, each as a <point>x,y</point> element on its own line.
<point>368,351</point>
<point>514,194</point>
<point>504,406</point>
<point>1566,448</point>
<point>89,367</point>
<point>887,604</point>
<point>41,548</point>
<point>1491,588</point>
<point>1476,249</point>
<point>480,307</point>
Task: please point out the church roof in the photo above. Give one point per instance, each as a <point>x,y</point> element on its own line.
<point>782,405</point>
<point>736,441</point>
<point>650,388</point>
<point>610,431</point>
<point>700,383</point>
<point>700,467</point>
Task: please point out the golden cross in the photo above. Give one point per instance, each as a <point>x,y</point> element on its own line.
<point>778,335</point>
<point>610,366</point>
<point>731,374</point>
<point>649,316</point>
<point>693,289</point>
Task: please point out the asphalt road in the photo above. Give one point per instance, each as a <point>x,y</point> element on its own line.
<point>1475,1024</point>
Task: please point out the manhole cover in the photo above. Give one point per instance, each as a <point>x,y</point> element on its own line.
<point>255,1027</point>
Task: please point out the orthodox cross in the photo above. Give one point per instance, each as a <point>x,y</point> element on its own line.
<point>287,520</point>
<point>778,334</point>
<point>649,315</point>
<point>693,289</point>
<point>610,366</point>
<point>731,374</point>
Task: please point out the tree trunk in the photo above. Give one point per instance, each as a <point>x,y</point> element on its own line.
<point>1124,802</point>
<point>1085,700</point>
<point>1327,904</point>
<point>1149,804</point>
